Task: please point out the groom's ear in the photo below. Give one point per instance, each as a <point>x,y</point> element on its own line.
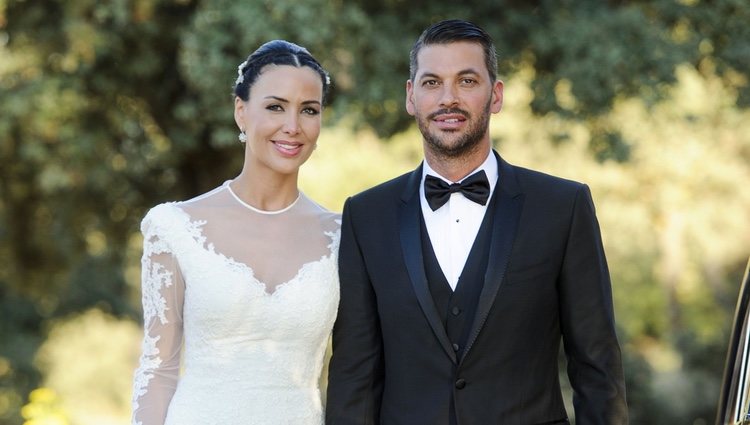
<point>409,97</point>
<point>497,97</point>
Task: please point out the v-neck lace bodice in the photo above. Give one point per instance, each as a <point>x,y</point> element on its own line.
<point>254,295</point>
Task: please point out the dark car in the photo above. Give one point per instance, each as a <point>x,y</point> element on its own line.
<point>734,402</point>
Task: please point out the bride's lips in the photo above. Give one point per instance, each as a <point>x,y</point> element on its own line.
<point>287,148</point>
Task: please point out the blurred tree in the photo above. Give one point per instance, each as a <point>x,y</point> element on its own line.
<point>98,390</point>
<point>44,409</point>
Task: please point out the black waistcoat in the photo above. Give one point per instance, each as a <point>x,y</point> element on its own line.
<point>457,308</point>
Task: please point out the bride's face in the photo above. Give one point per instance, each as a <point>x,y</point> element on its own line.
<point>281,117</point>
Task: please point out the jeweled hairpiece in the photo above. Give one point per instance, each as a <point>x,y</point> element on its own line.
<point>240,75</point>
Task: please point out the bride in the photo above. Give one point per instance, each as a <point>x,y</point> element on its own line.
<point>241,282</point>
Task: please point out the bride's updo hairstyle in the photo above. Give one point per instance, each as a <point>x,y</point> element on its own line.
<point>276,52</point>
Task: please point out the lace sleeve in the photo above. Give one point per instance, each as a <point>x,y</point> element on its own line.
<point>163,291</point>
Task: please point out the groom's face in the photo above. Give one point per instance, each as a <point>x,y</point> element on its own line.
<point>452,97</point>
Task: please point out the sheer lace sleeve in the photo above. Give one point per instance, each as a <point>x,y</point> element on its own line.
<point>163,291</point>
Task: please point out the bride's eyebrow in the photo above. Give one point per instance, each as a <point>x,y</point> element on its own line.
<point>281,99</point>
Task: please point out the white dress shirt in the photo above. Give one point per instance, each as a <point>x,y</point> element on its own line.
<point>454,226</point>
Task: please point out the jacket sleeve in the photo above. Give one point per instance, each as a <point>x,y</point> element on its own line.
<point>163,291</point>
<point>588,324</point>
<point>355,377</point>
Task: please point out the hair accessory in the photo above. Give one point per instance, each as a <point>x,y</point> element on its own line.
<point>240,74</point>
<point>242,136</point>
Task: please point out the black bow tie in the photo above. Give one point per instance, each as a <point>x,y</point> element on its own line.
<point>475,188</point>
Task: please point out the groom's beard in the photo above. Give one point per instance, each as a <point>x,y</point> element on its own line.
<point>452,145</point>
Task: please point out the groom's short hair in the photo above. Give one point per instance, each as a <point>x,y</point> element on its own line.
<point>451,31</point>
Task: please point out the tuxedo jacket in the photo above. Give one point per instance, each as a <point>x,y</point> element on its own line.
<point>546,282</point>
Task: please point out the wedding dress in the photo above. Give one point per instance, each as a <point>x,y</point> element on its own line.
<point>247,298</point>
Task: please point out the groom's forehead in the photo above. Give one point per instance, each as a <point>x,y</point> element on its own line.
<point>454,58</point>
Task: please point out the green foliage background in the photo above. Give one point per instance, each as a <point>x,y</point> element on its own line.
<point>110,107</point>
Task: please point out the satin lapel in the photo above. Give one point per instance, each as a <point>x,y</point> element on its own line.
<point>411,246</point>
<point>508,206</point>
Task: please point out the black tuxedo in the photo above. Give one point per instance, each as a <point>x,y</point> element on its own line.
<point>545,279</point>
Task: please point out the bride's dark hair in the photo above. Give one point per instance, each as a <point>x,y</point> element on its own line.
<point>276,52</point>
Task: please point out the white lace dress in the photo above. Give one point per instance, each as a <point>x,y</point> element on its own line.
<point>247,300</point>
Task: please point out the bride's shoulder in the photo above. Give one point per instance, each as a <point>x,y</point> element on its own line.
<point>330,220</point>
<point>216,197</point>
<point>183,210</point>
<point>331,224</point>
<point>163,215</point>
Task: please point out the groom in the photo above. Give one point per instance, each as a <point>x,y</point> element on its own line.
<point>460,279</point>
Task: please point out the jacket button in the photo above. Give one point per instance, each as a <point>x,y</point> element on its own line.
<point>456,311</point>
<point>455,347</point>
<point>460,383</point>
